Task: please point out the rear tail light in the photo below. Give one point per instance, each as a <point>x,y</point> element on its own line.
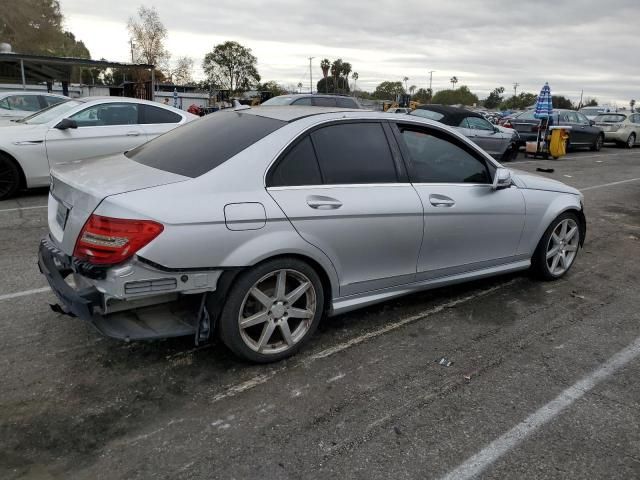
<point>108,241</point>
<point>535,128</point>
<point>507,124</point>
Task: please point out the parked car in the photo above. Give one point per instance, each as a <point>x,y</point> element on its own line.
<point>501,143</point>
<point>16,105</point>
<point>620,128</point>
<point>592,112</point>
<point>583,133</point>
<point>77,129</point>
<point>252,224</point>
<point>315,100</point>
<point>398,110</point>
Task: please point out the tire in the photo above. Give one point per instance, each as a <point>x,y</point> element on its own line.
<point>631,141</point>
<point>10,178</point>
<point>597,144</point>
<point>510,154</point>
<point>544,263</point>
<point>277,328</point>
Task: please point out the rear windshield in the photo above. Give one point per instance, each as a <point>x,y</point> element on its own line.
<point>200,146</point>
<point>611,118</point>
<point>278,101</point>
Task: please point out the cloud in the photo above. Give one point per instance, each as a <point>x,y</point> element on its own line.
<point>485,43</point>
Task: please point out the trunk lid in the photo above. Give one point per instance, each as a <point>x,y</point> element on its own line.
<point>77,188</point>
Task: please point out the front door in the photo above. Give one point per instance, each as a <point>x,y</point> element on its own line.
<point>485,136</point>
<point>343,191</point>
<point>467,225</point>
<point>103,129</point>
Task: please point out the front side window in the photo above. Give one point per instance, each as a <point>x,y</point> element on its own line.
<point>107,114</point>
<point>50,100</point>
<point>354,153</point>
<point>435,157</point>
<point>4,104</point>
<point>477,123</point>
<point>572,117</point>
<point>582,119</point>
<point>298,166</point>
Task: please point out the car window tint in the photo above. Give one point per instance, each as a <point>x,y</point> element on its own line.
<point>198,147</point>
<point>581,118</point>
<point>48,100</point>
<point>571,117</point>
<point>151,114</point>
<point>437,158</point>
<point>354,153</point>
<point>636,119</point>
<point>302,101</point>
<point>4,104</point>
<point>419,112</point>
<point>478,123</point>
<point>324,102</point>
<point>107,114</point>
<point>464,123</point>
<point>528,115</point>
<point>345,103</point>
<point>28,103</point>
<point>298,166</point>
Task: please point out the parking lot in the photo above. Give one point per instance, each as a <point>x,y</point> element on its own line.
<point>542,384</point>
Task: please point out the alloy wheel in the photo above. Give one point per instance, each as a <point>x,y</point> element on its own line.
<point>563,246</point>
<point>631,141</point>
<point>9,178</point>
<point>277,311</point>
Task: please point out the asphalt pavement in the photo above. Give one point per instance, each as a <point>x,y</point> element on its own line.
<point>543,381</point>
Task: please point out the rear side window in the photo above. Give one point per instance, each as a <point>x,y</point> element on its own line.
<point>346,103</point>
<point>151,114</point>
<point>299,166</point>
<point>49,100</point>
<point>200,146</point>
<point>354,153</point>
<point>431,115</point>
<point>302,101</point>
<point>324,102</point>
<point>436,158</point>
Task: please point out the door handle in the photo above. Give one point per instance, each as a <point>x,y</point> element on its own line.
<point>323,203</point>
<point>441,201</point>
<point>133,134</point>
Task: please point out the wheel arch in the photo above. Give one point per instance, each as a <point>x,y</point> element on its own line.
<point>12,159</point>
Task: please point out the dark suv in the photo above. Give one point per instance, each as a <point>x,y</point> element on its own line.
<point>314,100</point>
<point>583,133</point>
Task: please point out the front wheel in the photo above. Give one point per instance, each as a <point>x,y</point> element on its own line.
<point>9,177</point>
<point>558,247</point>
<point>272,310</point>
<point>597,145</point>
<point>631,141</point>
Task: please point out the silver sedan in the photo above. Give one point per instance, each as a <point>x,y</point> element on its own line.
<point>251,224</point>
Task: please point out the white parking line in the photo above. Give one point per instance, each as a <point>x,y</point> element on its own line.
<point>609,184</point>
<point>474,466</point>
<point>22,208</point>
<point>577,157</point>
<point>24,293</point>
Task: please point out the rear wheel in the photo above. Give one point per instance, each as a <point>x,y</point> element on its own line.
<point>631,141</point>
<point>597,145</point>
<point>9,177</point>
<point>558,247</point>
<point>272,310</point>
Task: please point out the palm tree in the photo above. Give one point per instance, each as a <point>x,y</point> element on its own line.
<point>325,65</point>
<point>405,80</point>
<point>354,75</point>
<point>453,81</point>
<point>299,87</point>
<point>336,70</point>
<point>412,89</point>
<point>346,70</point>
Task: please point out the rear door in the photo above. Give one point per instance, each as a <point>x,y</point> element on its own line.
<point>467,225</point>
<point>103,129</point>
<point>345,191</point>
<point>156,120</point>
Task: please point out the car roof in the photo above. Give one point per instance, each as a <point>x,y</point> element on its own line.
<point>451,115</point>
<point>288,113</point>
<point>30,92</point>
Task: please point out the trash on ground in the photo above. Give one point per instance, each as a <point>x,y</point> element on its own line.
<point>568,176</point>
<point>397,430</point>
<point>546,170</point>
<point>444,361</point>
<point>575,295</point>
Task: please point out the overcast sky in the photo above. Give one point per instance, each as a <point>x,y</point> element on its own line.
<point>582,44</point>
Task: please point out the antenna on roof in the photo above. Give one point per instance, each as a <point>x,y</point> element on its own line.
<point>238,106</point>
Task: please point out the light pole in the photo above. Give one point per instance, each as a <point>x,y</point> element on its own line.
<point>431,72</point>
<point>310,76</point>
<point>515,89</point>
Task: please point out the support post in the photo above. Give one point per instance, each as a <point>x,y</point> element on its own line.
<point>153,85</point>
<point>24,81</point>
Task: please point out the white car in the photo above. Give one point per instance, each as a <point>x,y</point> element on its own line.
<point>16,105</point>
<point>75,130</point>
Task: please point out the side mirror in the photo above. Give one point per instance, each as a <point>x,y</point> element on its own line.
<point>66,123</point>
<point>502,179</point>
<point>592,122</point>
<point>496,129</point>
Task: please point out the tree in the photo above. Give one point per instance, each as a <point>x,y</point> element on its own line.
<point>272,86</point>
<point>354,75</point>
<point>405,80</point>
<point>35,27</point>
<point>412,89</point>
<point>423,95</point>
<point>388,91</point>
<point>520,102</point>
<point>299,87</point>
<point>561,102</point>
<point>495,98</point>
<point>462,96</point>
<point>181,73</point>
<point>591,102</point>
<point>453,81</point>
<point>346,71</point>
<point>332,85</point>
<point>148,35</point>
<point>231,66</point>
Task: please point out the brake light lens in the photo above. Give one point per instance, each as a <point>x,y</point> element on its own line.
<point>507,124</point>
<point>108,241</point>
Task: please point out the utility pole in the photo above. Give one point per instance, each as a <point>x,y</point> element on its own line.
<point>431,72</point>
<point>580,104</point>
<point>515,89</point>
<point>310,76</point>
<point>132,45</point>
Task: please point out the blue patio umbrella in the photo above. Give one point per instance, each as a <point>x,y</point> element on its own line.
<point>544,104</point>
